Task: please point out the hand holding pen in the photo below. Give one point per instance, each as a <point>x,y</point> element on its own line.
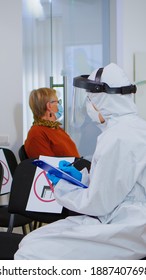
<point>70,169</point>
<point>75,161</point>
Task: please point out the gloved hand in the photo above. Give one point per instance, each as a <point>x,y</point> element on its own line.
<point>53,178</point>
<point>71,170</point>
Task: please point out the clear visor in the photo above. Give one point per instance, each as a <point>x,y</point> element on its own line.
<point>78,113</point>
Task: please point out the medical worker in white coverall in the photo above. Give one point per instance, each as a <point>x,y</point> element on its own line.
<point>112,224</point>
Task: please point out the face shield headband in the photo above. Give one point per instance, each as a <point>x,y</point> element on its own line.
<point>96,86</point>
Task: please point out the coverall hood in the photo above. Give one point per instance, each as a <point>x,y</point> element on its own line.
<point>113,105</point>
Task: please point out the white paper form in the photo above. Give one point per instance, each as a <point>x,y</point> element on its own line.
<point>41,198</point>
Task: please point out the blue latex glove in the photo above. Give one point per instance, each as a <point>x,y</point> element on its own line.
<point>53,178</point>
<point>71,170</point>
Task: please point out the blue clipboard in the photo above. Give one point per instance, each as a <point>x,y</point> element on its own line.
<point>57,172</point>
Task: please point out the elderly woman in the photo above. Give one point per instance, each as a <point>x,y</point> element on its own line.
<point>46,137</point>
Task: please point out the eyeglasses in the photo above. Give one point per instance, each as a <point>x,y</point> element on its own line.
<point>57,101</point>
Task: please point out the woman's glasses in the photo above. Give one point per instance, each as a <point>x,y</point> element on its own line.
<point>57,101</point>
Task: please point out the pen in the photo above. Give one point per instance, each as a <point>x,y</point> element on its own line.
<point>75,161</point>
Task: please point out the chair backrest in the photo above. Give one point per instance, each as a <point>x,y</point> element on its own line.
<point>22,153</point>
<point>11,159</point>
<point>20,190</point>
<point>1,175</point>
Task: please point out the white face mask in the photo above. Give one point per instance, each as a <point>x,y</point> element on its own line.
<point>92,112</point>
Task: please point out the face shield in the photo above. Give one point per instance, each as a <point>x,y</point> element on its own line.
<point>86,85</point>
<point>78,113</point>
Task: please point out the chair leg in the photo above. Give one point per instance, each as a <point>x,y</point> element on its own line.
<point>31,227</point>
<point>40,224</point>
<point>24,230</point>
<point>35,225</point>
<point>11,223</point>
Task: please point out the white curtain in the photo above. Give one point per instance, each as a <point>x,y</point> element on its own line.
<point>39,49</point>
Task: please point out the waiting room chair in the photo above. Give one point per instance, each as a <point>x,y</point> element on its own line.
<point>8,220</point>
<point>8,241</point>
<point>30,170</point>
<point>22,153</point>
<point>21,186</point>
<point>20,190</point>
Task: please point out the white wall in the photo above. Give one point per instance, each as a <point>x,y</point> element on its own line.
<point>131,22</point>
<point>11,72</point>
<point>131,40</point>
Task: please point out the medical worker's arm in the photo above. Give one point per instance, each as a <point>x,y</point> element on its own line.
<point>110,182</point>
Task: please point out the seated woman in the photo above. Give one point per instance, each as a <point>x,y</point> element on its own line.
<point>46,137</point>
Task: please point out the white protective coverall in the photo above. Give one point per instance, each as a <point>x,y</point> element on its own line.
<point>116,192</point>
